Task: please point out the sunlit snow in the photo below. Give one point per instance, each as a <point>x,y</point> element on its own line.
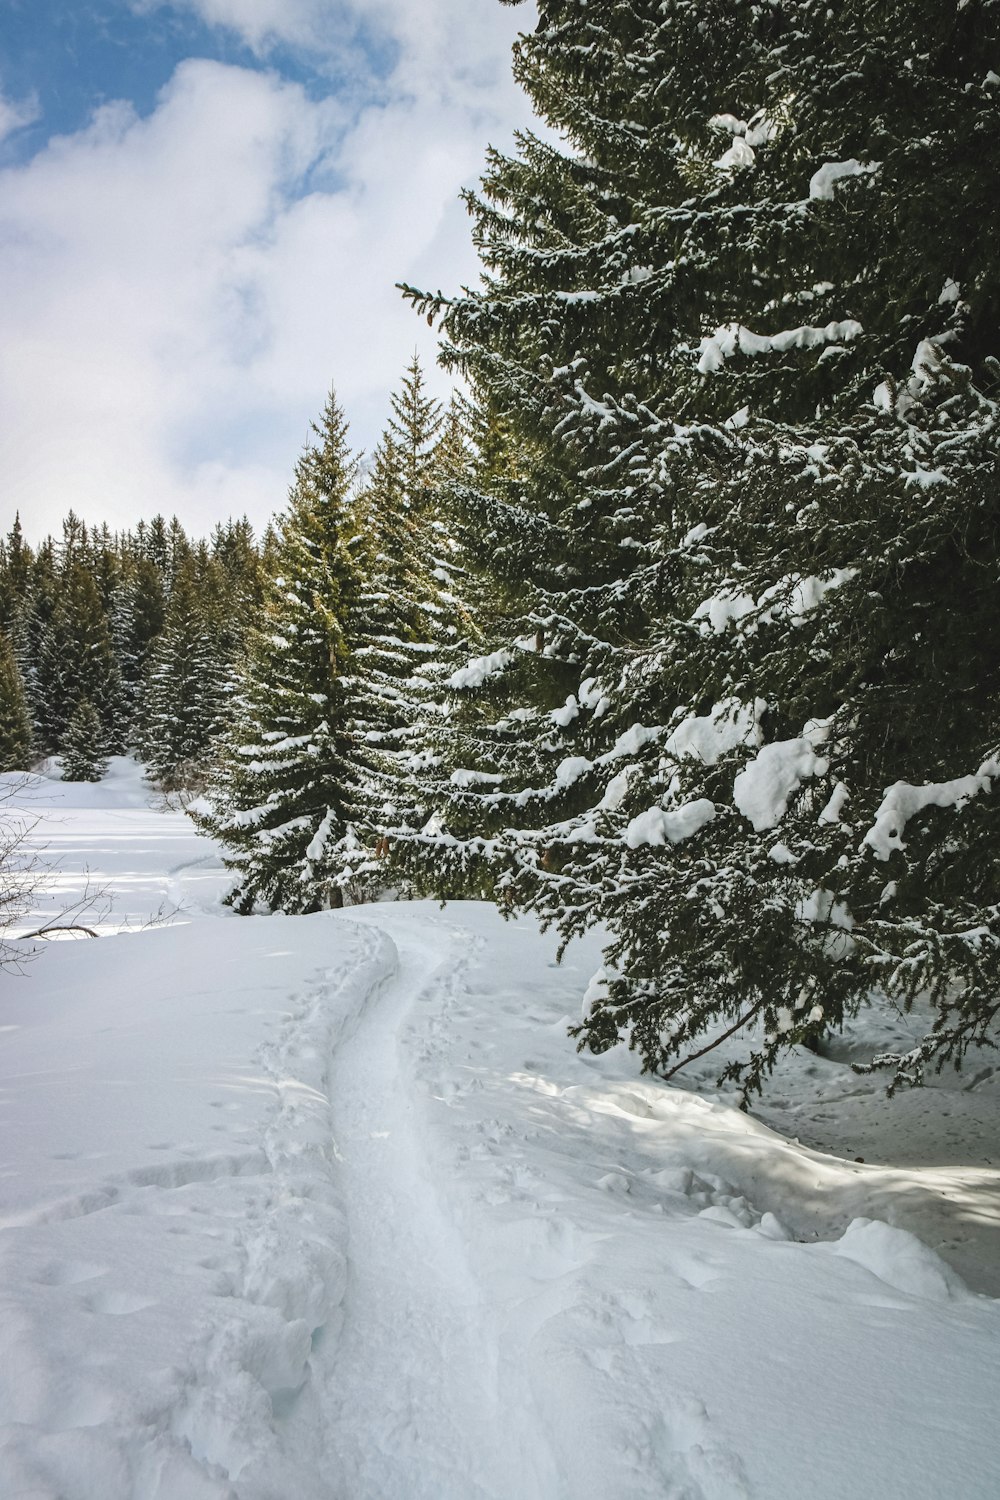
<point>329,1208</point>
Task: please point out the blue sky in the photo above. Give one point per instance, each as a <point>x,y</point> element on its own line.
<point>204,207</point>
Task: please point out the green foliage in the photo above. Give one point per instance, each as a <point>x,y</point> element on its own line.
<point>743,350</point>
<point>15,722</point>
<point>317,764</point>
<point>86,619</point>
<point>185,686</point>
<point>285,787</point>
<point>83,745</point>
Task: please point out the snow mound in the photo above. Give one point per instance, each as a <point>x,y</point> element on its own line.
<point>124,785</point>
<point>900,1260</point>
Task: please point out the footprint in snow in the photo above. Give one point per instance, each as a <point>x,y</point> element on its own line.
<point>69,1273</point>
<point>118,1303</point>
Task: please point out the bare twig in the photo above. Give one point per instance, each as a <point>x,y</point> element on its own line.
<point>693,1056</point>
<point>25,874</point>
<point>42,932</point>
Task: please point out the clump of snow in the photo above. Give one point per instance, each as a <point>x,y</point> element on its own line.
<point>596,992</point>
<point>590,695</point>
<point>835,806</point>
<point>748,133</point>
<point>564,716</point>
<point>733,338</point>
<point>317,843</point>
<point>763,788</point>
<point>739,154</point>
<point>791,598</point>
<point>708,737</point>
<point>723,608</point>
<point>477,671</point>
<point>899,1260</point>
<point>463,777</point>
<point>729,123</point>
<point>926,363</point>
<point>615,792</point>
<point>903,801</point>
<point>631,742</point>
<point>571,769</point>
<point>821,908</point>
<point>926,366</point>
<point>822,183</point>
<point>657,826</point>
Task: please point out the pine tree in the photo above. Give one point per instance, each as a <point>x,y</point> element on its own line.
<point>15,579</point>
<point>83,745</point>
<point>137,620</point>
<point>286,787</point>
<point>185,683</point>
<point>409,618</point>
<point>413,429</point>
<point>15,721</point>
<point>72,654</point>
<point>747,351</point>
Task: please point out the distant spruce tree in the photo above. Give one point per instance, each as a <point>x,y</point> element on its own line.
<point>137,618</point>
<point>743,333</point>
<point>15,721</point>
<point>15,574</point>
<point>409,618</point>
<point>184,692</point>
<point>83,745</point>
<point>73,659</point>
<point>286,786</point>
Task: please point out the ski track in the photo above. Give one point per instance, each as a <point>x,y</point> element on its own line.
<point>449,1386</point>
<point>414,1389</point>
<point>292,1254</point>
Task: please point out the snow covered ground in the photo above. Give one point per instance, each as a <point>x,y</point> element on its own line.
<point>327,1208</point>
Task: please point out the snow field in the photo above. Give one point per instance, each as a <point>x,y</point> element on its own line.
<point>658,1324</point>
<point>173,1238</point>
<point>112,841</point>
<point>327,1208</point>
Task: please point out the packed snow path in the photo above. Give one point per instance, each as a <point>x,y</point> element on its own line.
<point>327,1208</point>
<point>414,1403</point>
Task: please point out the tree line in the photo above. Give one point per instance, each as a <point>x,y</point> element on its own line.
<point>122,641</point>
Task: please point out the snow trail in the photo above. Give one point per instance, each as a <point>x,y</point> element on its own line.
<point>415,1403</point>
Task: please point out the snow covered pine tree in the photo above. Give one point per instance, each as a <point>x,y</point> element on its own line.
<point>744,328</point>
<point>185,682</point>
<point>15,721</point>
<point>286,789</point>
<point>410,625</point>
<point>83,745</point>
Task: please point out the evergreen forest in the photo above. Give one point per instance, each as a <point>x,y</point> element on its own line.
<point>680,620</point>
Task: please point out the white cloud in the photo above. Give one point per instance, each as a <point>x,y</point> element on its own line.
<point>16,113</point>
<point>181,289</point>
<point>262,24</point>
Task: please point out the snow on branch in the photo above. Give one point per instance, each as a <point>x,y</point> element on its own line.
<point>903,801</point>
<point>733,338</point>
<point>822,183</point>
<point>791,598</point>
<point>475,672</point>
<point>762,790</point>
